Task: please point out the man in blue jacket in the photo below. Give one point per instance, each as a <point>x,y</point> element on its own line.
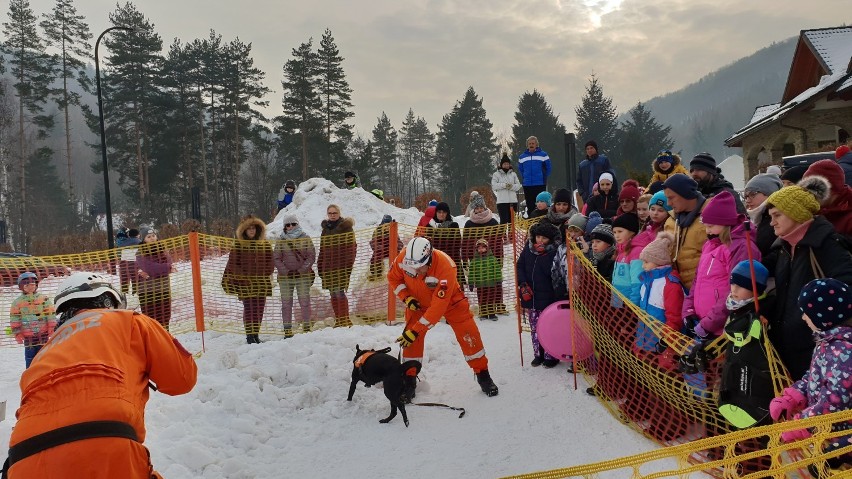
<point>590,169</point>
<point>534,166</point>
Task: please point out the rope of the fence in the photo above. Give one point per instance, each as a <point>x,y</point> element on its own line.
<point>781,460</point>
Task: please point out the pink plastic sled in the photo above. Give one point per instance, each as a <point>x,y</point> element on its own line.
<point>554,333</point>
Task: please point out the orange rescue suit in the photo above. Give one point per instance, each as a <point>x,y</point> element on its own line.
<point>97,367</point>
<point>439,295</point>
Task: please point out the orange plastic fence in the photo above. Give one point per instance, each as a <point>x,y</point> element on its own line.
<point>200,282</point>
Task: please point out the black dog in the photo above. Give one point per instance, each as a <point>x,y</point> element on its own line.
<point>373,367</point>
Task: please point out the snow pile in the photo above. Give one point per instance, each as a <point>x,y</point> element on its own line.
<point>279,409</point>
<point>313,196</point>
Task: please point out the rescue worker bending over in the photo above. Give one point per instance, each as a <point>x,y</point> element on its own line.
<point>425,280</point>
<point>83,398</point>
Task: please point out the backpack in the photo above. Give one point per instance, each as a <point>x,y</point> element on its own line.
<point>746,384</point>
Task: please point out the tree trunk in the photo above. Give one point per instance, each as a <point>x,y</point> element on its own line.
<point>203,159</point>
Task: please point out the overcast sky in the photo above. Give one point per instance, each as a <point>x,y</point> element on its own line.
<point>423,54</point>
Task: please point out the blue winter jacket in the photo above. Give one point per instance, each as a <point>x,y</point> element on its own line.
<point>534,167</point>
<point>534,270</point>
<point>288,198</point>
<point>625,276</point>
<point>589,171</point>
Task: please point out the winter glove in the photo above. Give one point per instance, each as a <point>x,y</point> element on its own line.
<point>700,332</point>
<point>661,347</point>
<point>508,186</point>
<point>281,193</point>
<point>407,338</point>
<point>411,303</point>
<point>526,292</point>
<point>789,403</point>
<point>695,361</point>
<point>19,337</point>
<point>794,435</point>
<point>689,324</point>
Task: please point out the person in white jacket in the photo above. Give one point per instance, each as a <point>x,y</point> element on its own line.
<point>505,184</point>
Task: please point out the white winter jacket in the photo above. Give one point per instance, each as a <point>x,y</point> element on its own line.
<point>505,194</point>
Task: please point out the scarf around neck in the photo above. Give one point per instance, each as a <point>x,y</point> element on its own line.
<point>292,234</point>
<point>481,217</point>
<point>607,253</point>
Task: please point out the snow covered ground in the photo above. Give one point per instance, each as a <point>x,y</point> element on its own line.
<point>279,409</point>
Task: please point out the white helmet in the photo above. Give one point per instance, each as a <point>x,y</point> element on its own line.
<point>91,286</point>
<point>418,252</point>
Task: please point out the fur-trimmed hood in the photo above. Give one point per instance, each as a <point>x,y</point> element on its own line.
<point>344,225</point>
<point>251,220</point>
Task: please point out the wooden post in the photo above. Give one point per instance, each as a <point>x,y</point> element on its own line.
<point>513,236</point>
<point>198,300</point>
<point>393,232</point>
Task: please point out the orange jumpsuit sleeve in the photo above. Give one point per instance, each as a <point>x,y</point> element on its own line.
<point>396,277</point>
<point>444,294</point>
<point>170,366</point>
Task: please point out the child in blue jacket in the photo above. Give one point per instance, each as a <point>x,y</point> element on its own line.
<point>536,286</point>
<point>661,293</point>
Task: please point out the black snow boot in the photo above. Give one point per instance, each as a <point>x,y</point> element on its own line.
<point>550,363</point>
<point>409,385</point>
<point>486,383</point>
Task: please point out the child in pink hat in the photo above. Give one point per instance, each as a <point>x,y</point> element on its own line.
<point>704,310</point>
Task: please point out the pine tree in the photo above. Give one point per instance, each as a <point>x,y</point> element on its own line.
<point>131,88</point>
<point>359,154</point>
<point>384,154</point>
<point>336,97</point>
<point>465,149</point>
<point>48,211</point>
<point>301,118</point>
<point>596,118</point>
<point>640,139</point>
<point>33,70</point>
<point>535,117</point>
<point>244,95</point>
<point>69,33</point>
<point>417,147</point>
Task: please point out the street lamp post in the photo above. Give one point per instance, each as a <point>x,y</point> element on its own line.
<point>110,238</point>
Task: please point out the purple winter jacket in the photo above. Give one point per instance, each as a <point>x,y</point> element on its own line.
<point>712,282</point>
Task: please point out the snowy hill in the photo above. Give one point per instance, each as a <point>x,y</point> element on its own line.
<point>315,194</point>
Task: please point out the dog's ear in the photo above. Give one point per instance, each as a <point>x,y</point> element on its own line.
<point>357,349</point>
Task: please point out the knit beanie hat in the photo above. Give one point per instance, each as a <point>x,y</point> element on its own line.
<point>765,183</point>
<point>432,203</point>
<point>592,222</point>
<point>659,199</point>
<point>578,221</point>
<point>840,151</point>
<point>591,143</point>
<point>606,176</point>
<point>659,250</point>
<point>290,219</point>
<point>664,155</point>
<point>655,187</point>
<point>545,197</point>
<point>505,159</point>
<point>545,229</point>
<point>628,221</point>
<point>794,174</point>
<point>562,196</point>
<point>827,302</point>
<point>385,219</point>
<point>482,241</point>
<point>798,203</point>
<point>603,232</point>
<point>629,191</point>
<point>773,170</point>
<point>830,170</point>
<point>145,231</point>
<point>442,206</point>
<point>349,174</point>
<point>705,162</point>
<point>683,185</point>
<point>721,210</point>
<point>741,276</point>
<point>476,201</point>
